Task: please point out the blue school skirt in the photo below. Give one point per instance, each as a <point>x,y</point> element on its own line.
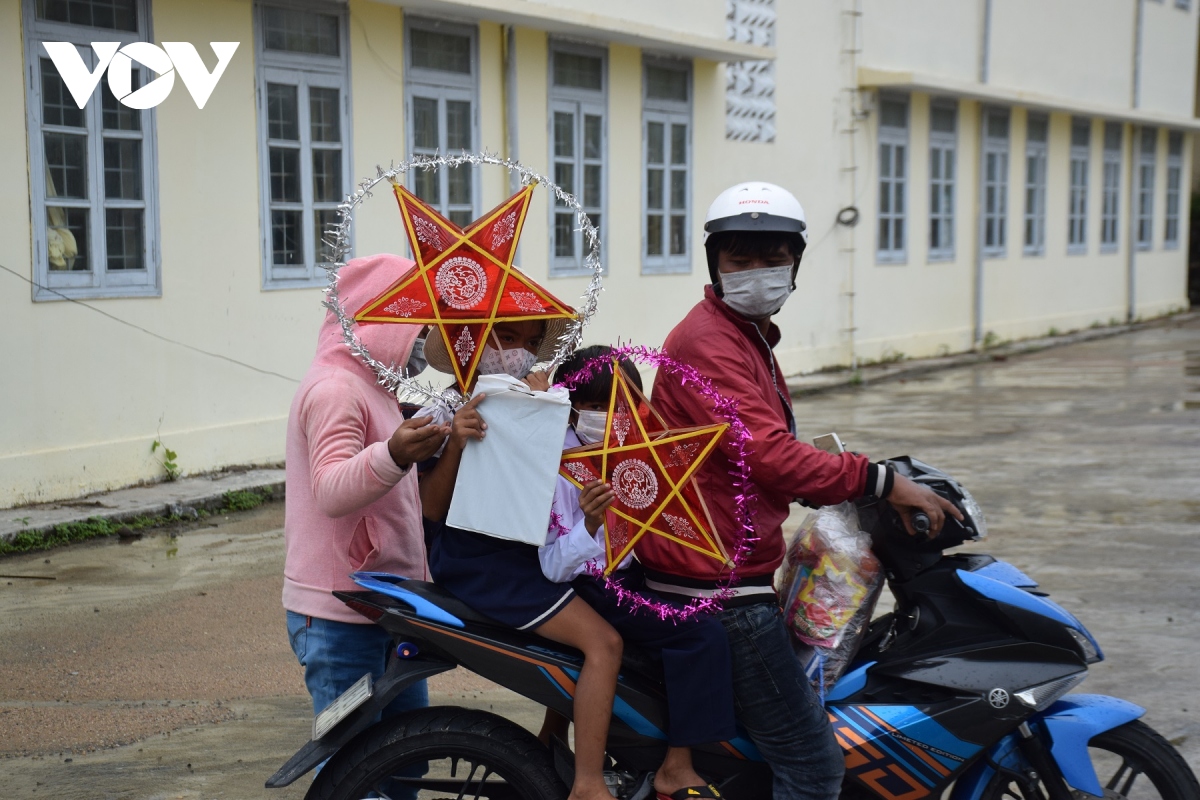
<point>497,577</point>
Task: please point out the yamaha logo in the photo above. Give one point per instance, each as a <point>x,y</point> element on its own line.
<point>998,698</point>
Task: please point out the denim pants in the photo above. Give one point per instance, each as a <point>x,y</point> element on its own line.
<point>336,654</point>
<point>778,708</point>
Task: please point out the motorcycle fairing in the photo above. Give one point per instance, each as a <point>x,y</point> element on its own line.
<point>1071,723</point>
<point>898,752</point>
<point>1006,573</point>
<point>1003,592</point>
<point>389,584</point>
<point>853,681</point>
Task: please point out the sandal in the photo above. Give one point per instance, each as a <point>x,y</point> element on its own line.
<point>691,793</point>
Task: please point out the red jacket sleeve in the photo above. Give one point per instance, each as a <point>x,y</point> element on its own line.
<point>779,463</point>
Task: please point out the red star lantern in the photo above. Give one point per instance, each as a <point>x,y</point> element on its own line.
<point>464,281</point>
<point>650,468</point>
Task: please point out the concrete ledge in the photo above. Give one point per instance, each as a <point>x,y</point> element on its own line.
<point>204,492</point>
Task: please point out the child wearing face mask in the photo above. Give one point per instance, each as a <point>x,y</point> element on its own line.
<point>694,654</point>
<point>503,579</point>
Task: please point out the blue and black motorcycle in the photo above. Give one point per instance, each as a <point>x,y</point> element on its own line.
<point>964,687</point>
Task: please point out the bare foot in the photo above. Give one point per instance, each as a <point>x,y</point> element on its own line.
<point>669,781</point>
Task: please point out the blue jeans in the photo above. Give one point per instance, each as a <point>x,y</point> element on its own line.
<point>336,654</point>
<point>778,708</point>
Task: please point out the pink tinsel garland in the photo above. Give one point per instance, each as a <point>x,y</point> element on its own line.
<point>739,436</point>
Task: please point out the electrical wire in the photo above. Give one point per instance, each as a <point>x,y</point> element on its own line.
<point>148,332</point>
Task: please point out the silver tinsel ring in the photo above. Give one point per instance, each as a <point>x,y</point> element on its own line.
<point>337,237</point>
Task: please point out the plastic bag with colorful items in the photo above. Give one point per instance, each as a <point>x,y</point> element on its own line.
<point>828,591</point>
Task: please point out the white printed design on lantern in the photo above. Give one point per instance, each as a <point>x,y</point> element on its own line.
<point>464,347</point>
<point>682,454</point>
<point>618,534</point>
<point>461,282</point>
<point>622,423</point>
<point>634,484</point>
<point>404,306</point>
<point>504,229</point>
<point>681,527</point>
<point>579,472</point>
<point>527,302</point>
<point>428,233</point>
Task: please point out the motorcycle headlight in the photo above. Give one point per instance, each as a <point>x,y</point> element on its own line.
<point>1040,697</point>
<point>976,513</point>
<point>1087,645</point>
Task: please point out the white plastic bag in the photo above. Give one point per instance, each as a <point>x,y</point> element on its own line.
<point>505,483</point>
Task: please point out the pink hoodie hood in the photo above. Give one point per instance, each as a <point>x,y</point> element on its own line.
<point>360,282</point>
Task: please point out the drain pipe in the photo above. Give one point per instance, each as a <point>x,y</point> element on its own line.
<point>510,104</point>
<point>980,205</point>
<point>1131,245</point>
<point>985,47</point>
<point>1134,132</point>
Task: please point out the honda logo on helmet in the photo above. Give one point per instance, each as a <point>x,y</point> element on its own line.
<point>118,61</point>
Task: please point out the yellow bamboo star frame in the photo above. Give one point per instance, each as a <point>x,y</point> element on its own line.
<point>709,436</point>
<point>458,238</point>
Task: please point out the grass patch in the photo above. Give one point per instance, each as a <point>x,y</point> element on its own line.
<point>69,532</point>
<point>244,500</point>
<point>93,527</point>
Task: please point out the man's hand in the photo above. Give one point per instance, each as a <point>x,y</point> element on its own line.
<point>537,381</point>
<point>909,497</point>
<point>468,424</point>
<point>595,499</point>
<point>416,440</point>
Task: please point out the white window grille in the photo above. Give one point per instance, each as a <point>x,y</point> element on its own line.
<point>995,184</point>
<point>943,147</point>
<point>1111,205</point>
<point>94,182</point>
<point>1081,138</point>
<point>304,137</point>
<point>667,166</point>
<point>1174,185</point>
<point>1037,128</point>
<point>750,85</point>
<point>442,90</point>
<point>1147,150</point>
<point>893,179</point>
<point>578,111</point>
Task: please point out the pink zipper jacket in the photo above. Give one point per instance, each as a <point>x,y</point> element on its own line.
<point>349,507</point>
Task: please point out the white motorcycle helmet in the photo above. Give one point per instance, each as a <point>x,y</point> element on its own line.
<point>754,207</point>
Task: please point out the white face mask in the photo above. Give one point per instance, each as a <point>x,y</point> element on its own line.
<point>516,362</point>
<point>757,293</point>
<point>416,358</point>
<point>590,426</point>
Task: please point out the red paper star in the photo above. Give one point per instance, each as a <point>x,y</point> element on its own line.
<point>650,469</point>
<point>464,281</point>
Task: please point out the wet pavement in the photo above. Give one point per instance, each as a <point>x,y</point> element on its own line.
<point>160,669</point>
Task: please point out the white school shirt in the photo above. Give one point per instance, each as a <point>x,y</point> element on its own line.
<point>566,556</point>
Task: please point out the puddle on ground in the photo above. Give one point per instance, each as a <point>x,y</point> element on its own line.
<point>100,574</point>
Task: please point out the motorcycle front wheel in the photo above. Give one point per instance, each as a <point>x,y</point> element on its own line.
<point>1132,762</point>
<point>441,752</point>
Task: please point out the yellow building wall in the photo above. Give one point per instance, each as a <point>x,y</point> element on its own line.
<point>91,394</point>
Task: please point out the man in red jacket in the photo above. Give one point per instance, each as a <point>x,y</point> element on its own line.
<point>755,234</point>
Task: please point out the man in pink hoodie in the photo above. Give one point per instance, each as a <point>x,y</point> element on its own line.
<point>352,501</point>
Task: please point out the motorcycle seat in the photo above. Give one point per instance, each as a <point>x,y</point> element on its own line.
<point>634,659</point>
